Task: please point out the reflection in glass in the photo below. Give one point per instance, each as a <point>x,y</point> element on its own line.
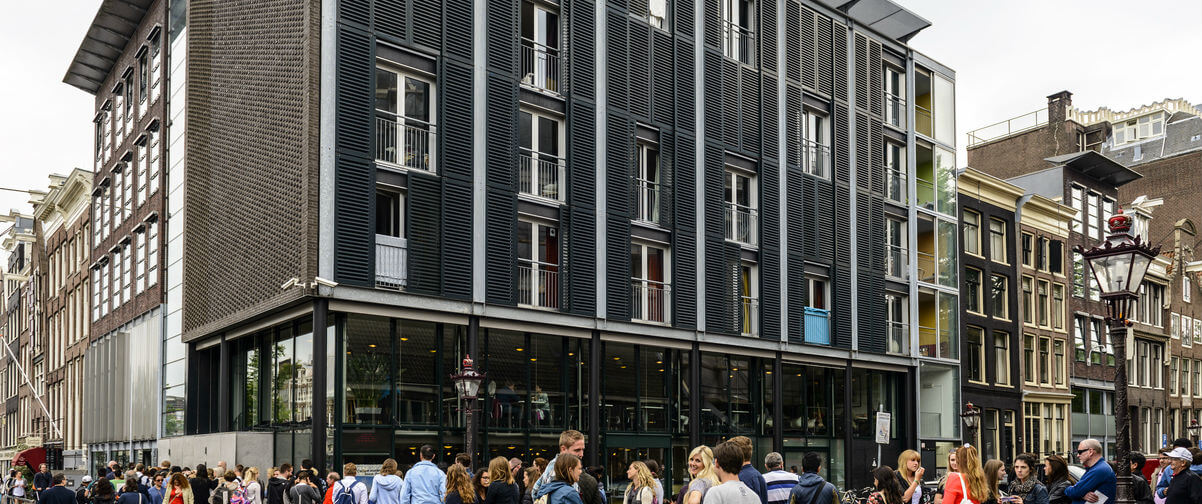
<point>417,380</point>
<point>619,386</point>
<point>366,367</point>
<point>283,359</point>
<point>506,379</point>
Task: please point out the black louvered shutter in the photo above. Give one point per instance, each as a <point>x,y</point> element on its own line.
<point>661,61</point>
<point>793,126</point>
<point>681,14</point>
<point>458,29</point>
<point>667,175</point>
<point>767,36</point>
<point>863,154</point>
<point>861,71</point>
<point>501,199</point>
<point>713,23</point>
<point>793,40</point>
<point>842,146</point>
<point>839,45</point>
<point>770,250</point>
<point>354,193</point>
<point>684,210</point>
<point>841,287</point>
<point>829,68</point>
<point>502,43</point>
<point>770,112</point>
<point>427,22</point>
<point>733,295</point>
<point>425,234</point>
<point>686,108</point>
<point>809,47</point>
<point>617,60</point>
<point>640,70</point>
<point>876,148</point>
<point>717,307</point>
<point>730,102</point>
<point>871,330</point>
<point>750,111</point>
<point>581,50</point>
<point>389,18</point>
<point>875,83</point>
<point>355,11</point>
<point>457,229</point>
<point>620,160</point>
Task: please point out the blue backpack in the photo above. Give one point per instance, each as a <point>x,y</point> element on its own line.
<point>346,494</point>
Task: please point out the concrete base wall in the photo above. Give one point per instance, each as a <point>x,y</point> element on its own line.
<point>251,449</point>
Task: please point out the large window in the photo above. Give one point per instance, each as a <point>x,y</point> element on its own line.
<point>815,146</point>
<point>738,30</point>
<point>749,298</point>
<point>1058,306</point>
<point>897,254</point>
<point>974,337</point>
<point>1028,300</point>
<point>1149,307</point>
<point>972,287</point>
<point>741,202</point>
<point>392,244</point>
<point>540,45</point>
<point>972,232</point>
<point>405,115</point>
<point>896,174</point>
<point>997,240</point>
<point>538,264</point>
<point>650,284</point>
<point>999,298</point>
<point>541,166</point>
<point>1001,358</point>
<point>895,92</point>
<point>646,183</point>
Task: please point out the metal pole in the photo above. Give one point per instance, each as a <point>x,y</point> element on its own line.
<point>16,361</point>
<point>469,433</point>
<point>1118,337</point>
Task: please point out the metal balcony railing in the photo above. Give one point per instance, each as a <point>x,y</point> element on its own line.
<point>749,315</point>
<point>405,142</point>
<point>898,338</point>
<point>738,42</point>
<point>540,176</point>
<point>895,184</point>
<point>897,261</point>
<point>392,262</point>
<point>540,65</point>
<point>538,284</point>
<point>895,110</point>
<point>646,197</point>
<point>741,223</point>
<point>815,158</point>
<point>817,326</point>
<point>650,300</point>
<point>922,121</point>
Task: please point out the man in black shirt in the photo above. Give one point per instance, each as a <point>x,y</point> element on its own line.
<point>1140,491</point>
<point>42,481</point>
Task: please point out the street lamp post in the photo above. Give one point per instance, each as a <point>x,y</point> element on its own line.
<point>467,385</point>
<point>1119,265</point>
<point>972,419</point>
<point>1194,429</point>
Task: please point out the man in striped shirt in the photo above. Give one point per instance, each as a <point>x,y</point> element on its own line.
<point>780,482</point>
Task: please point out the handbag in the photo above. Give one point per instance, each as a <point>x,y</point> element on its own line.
<point>964,488</point>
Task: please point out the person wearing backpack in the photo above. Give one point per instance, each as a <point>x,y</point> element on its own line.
<point>811,488</point>
<point>349,490</point>
<point>228,491</point>
<point>559,490</point>
<point>386,486</point>
<point>252,491</point>
<point>278,485</point>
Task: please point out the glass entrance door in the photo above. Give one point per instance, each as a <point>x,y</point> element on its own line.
<point>621,450</point>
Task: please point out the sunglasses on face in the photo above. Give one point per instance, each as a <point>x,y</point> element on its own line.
<point>1083,451</point>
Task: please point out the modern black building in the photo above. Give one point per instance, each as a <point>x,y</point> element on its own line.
<point>663,223</point>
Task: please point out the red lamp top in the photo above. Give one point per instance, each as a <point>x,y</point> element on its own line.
<point>1119,222</point>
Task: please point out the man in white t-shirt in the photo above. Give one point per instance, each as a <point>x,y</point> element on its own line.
<point>728,461</point>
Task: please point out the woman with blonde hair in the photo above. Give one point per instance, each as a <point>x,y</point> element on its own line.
<point>501,487</point>
<point>459,486</point>
<point>642,485</point>
<point>995,470</point>
<point>951,468</point>
<point>701,476</point>
<point>909,476</point>
<point>253,493</point>
<point>970,482</point>
<point>386,486</point>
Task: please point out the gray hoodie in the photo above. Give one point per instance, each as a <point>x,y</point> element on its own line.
<point>385,489</point>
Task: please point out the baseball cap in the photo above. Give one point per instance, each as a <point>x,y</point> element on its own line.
<point>1180,453</point>
<point>87,479</point>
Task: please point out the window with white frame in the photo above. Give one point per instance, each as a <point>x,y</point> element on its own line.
<point>540,35</point>
<point>119,213</point>
<point>156,60</point>
<point>646,183</point>
<point>392,240</point>
<point>1186,288</point>
<point>1059,363</point>
<point>738,30</point>
<point>975,339</point>
<point>153,153</point>
<point>749,298</point>
<point>143,79</point>
<point>127,190</point>
<point>142,147</point>
<point>741,202</point>
<point>97,212</point>
<point>1080,335</point>
<point>1058,306</point>
<point>973,300</point>
<point>1149,304</point>
<point>127,284</point>
<point>152,254</point>
<point>405,112</point>
<point>999,297</point>
<point>118,114</point>
<point>1001,358</point>
<point>1173,365</point>
<point>650,282</point>
<point>1045,360</point>
<point>1030,368</point>
<point>997,240</point>
<point>815,144</point>
<point>1042,302</point>
<point>113,289</point>
<point>1187,331</point>
<point>541,164</point>
<point>1175,326</point>
<point>1028,300</point>
<point>538,264</point>
<point>972,232</point>
<point>138,241</point>
<point>96,305</point>
<point>128,115</point>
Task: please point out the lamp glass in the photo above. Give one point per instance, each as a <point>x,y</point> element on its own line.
<point>971,420</point>
<point>1112,272</point>
<point>471,386</point>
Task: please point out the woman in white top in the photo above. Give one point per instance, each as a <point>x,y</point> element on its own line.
<point>253,493</point>
<point>642,485</point>
<point>18,485</point>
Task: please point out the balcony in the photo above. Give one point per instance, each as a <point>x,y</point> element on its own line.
<point>650,300</point>
<point>817,326</point>
<point>741,224</point>
<point>540,66</point>
<point>738,42</point>
<point>898,335</point>
<point>895,111</point>
<point>749,315</point>
<point>646,197</point>
<point>392,262</point>
<point>895,184</point>
<point>815,158</point>
<point>897,261</point>
<point>922,121</point>
<point>405,142</point>
<point>538,284</point>
<point>540,176</point>
<point>926,193</point>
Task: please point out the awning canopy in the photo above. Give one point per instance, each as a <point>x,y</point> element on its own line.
<point>32,457</point>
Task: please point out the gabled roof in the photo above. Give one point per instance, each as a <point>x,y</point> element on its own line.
<point>1095,165</point>
<point>883,16</point>
<point>115,23</point>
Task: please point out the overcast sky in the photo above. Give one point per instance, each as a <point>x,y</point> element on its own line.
<point>1008,56</point>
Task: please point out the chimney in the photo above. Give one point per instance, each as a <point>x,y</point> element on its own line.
<point>1058,105</point>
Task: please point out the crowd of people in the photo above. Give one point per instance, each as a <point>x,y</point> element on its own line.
<point>722,474</point>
